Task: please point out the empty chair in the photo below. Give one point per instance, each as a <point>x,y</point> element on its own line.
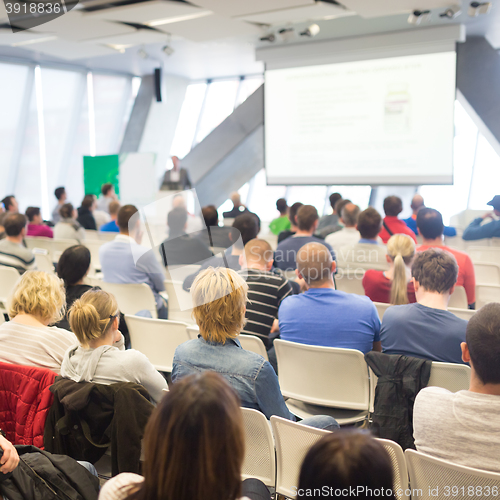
<point>193,331</point>
<point>451,376</point>
<point>91,234</point>
<point>131,297</point>
<point>462,313</point>
<point>484,254</point>
<point>106,235</point>
<point>179,302</point>
<point>43,261</point>
<point>8,280</point>
<point>399,468</point>
<point>350,281</point>
<point>293,441</point>
<point>157,339</point>
<point>94,246</point>
<point>458,299</point>
<point>487,273</point>
<point>381,308</point>
<point>59,245</point>
<point>254,344</point>
<point>324,380</point>
<point>33,242</point>
<point>433,478</point>
<point>486,294</point>
<point>260,459</point>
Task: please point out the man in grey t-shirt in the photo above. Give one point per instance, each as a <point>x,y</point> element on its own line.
<point>464,427</point>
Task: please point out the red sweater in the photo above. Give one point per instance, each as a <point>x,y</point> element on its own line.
<point>397,226</point>
<point>378,287</point>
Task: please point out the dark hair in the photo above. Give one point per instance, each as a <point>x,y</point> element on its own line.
<point>393,206</point>
<point>292,213</point>
<point>430,223</point>
<point>73,264</point>
<point>66,211</point>
<point>343,460</point>
<point>436,270</point>
<point>307,215</point>
<point>369,223</point>
<point>32,212</point>
<point>339,206</point>
<point>350,213</point>
<point>248,225</point>
<point>7,201</point>
<point>106,188</point>
<point>59,192</point>
<point>483,340</point>
<point>282,206</point>
<point>124,215</point>
<point>210,215</point>
<point>88,201</point>
<point>334,198</point>
<point>198,422</point>
<point>14,224</point>
<point>176,220</point>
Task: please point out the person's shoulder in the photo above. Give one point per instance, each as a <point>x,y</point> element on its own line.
<point>395,312</point>
<point>61,332</point>
<point>359,301</point>
<point>433,395</point>
<point>373,275</point>
<point>116,487</point>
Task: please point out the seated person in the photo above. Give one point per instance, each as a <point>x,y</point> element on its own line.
<point>220,297</point>
<point>478,231</point>
<point>214,235</point>
<point>266,290</point>
<point>68,228</point>
<point>112,226</point>
<point>282,223</point>
<point>85,212</point>
<point>417,203</point>
<point>101,357</point>
<point>36,227</point>
<point>430,226</point>
<point>60,194</point>
<point>463,427</point>
<point>204,408</point>
<point>393,206</point>
<point>181,248</point>
<point>333,218</point>
<point>338,226</point>
<point>394,286</point>
<point>426,329</point>
<point>27,339</point>
<point>12,251</point>
<point>368,253</point>
<point>307,221</point>
<point>245,226</point>
<point>348,461</point>
<point>106,198</point>
<point>348,235</point>
<point>292,217</point>
<point>124,260</point>
<point>323,316</point>
<point>238,207</point>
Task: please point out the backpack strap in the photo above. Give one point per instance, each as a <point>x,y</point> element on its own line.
<point>388,230</point>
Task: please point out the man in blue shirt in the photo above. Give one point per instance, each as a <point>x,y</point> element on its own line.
<point>323,316</point>
<point>417,203</point>
<point>307,222</point>
<point>112,226</point>
<point>476,231</point>
<point>426,329</point>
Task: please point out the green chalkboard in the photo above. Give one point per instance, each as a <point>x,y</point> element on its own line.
<point>97,170</point>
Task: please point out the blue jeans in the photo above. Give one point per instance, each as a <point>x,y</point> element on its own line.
<point>89,467</point>
<point>324,422</point>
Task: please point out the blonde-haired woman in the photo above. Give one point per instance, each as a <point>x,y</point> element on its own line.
<point>38,301</point>
<point>219,297</point>
<point>393,286</point>
<point>101,356</point>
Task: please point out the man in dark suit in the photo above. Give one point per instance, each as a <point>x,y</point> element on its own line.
<point>238,207</point>
<point>177,178</point>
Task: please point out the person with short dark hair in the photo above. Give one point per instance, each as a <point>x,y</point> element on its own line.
<point>333,218</point>
<point>10,204</point>
<point>430,226</point>
<point>307,223</point>
<point>368,252</point>
<point>292,217</point>
<point>348,235</point>
<point>12,251</point>
<point>337,226</point>
<point>36,227</point>
<point>107,196</point>
<point>282,223</point>
<point>463,427</point>
<point>345,461</point>
<point>68,228</point>
<point>393,206</point>
<point>112,226</point>
<point>85,212</point>
<point>426,329</point>
<point>124,260</point>
<point>213,235</point>
<point>480,229</point>
<point>60,194</point>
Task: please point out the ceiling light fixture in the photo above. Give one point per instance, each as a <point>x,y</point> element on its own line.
<point>168,50</point>
<point>477,8</point>
<point>451,12</point>
<point>419,16</point>
<point>311,30</point>
<point>143,54</point>
<point>178,19</point>
<point>269,38</point>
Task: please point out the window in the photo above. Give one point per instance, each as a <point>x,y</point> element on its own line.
<point>247,87</point>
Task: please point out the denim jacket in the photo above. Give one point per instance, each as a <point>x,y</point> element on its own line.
<point>249,374</point>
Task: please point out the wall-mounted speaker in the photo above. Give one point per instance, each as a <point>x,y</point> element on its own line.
<point>158,84</point>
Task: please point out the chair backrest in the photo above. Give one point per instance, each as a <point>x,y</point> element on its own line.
<point>260,458</point>
<point>350,281</point>
<point>91,234</point>
<point>157,339</point>
<point>253,344</point>
<point>179,302</point>
<point>290,275</point>
<point>486,294</point>
<point>458,299</point>
<point>94,246</point>
<point>293,441</point>
<point>59,245</point>
<point>452,376</point>
<point>106,235</point>
<point>484,254</point>
<point>132,297</point>
<point>487,273</point>
<point>33,242</point>
<point>325,376</point>
<point>381,308</point>
<point>180,273</point>
<point>462,313</point>
<point>399,469</point>
<point>193,331</point>
<point>8,281</point>
<point>434,478</point>
<point>217,250</point>
<point>43,260</point>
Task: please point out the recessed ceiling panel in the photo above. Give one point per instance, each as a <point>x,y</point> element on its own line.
<point>233,8</point>
<point>70,50</point>
<point>139,37</point>
<point>21,37</point>
<point>380,8</point>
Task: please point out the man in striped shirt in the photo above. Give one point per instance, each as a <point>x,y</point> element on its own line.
<point>12,251</point>
<point>266,290</point>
